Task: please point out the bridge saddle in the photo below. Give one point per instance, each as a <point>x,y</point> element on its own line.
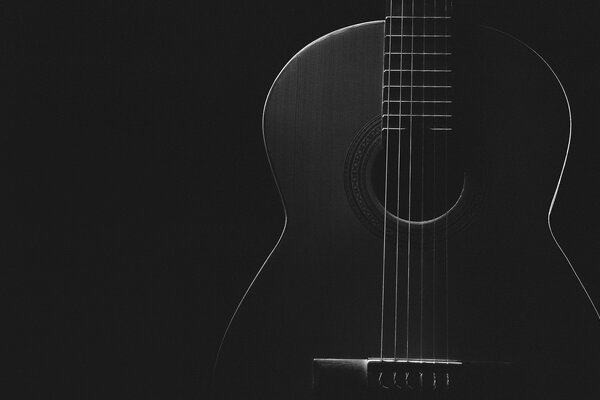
<point>399,379</point>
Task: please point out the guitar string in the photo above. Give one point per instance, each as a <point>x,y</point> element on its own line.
<point>423,50</point>
<point>433,261</point>
<point>410,183</point>
<point>446,14</point>
<point>387,141</point>
<point>401,67</point>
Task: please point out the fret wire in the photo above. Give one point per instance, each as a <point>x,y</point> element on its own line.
<point>416,17</point>
<point>402,129</point>
<point>419,86</point>
<point>419,54</point>
<point>417,70</point>
<point>420,36</point>
<point>418,115</point>
<point>418,101</point>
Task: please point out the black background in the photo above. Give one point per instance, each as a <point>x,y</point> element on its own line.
<point>137,198</point>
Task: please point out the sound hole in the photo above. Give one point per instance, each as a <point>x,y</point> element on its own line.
<point>430,179</point>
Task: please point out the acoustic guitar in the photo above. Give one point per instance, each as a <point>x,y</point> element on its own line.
<point>418,160</point>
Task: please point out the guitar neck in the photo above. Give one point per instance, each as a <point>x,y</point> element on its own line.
<point>420,9</point>
<point>417,64</point>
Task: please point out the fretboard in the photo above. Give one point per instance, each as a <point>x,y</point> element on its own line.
<point>417,65</point>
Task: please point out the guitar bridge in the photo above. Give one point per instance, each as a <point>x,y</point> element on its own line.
<point>408,379</point>
<point>424,376</point>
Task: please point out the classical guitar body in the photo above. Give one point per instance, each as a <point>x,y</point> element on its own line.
<point>474,300</point>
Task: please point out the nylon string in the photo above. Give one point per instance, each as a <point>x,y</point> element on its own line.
<point>446,181</point>
<point>387,130</point>
<point>410,183</point>
<point>433,262</point>
<point>398,180</point>
<point>423,50</point>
